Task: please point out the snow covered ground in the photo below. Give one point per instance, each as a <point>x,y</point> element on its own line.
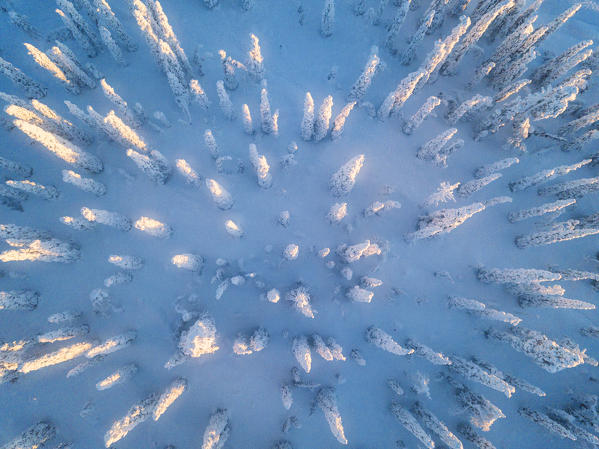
<point>166,310</point>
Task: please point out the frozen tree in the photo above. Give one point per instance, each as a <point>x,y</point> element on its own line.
<point>558,66</point>
<point>475,373</point>
<point>321,348</point>
<point>468,107</point>
<point>395,100</point>
<point>301,352</point>
<point>17,168</point>
<point>516,382</point>
<point>261,167</point>
<point>153,165</point>
<point>108,218</point>
<point>46,63</point>
<point>337,212</point>
<point>494,167</point>
<point>359,294</point>
<point>353,253</point>
<point>196,341</point>
<point>291,252</point>
<point>339,122</point>
<point>480,73</point>
<point>560,232</point>
<point>300,299</point>
<point>222,199</point>
<point>218,430</point>
<point>44,192</point>
<point>19,300</point>
<point>383,340</point>
<point>475,33</point>
<point>126,262</point>
<point>327,21</point>
<point>546,175</point>
<point>47,250</point>
<point>556,206</point>
<point>118,279</point>
<point>231,82</point>
<point>576,125</point>
<point>112,46</point>
<point>468,433</point>
<point>443,194</point>
<point>189,262</point>
<point>166,32</point>
<point>246,116</point>
<point>78,27</point>
<point>392,39</point>
<point>153,227</point>
<point>569,422</point>
<point>468,188</point>
<point>120,376</point>
<point>211,144</point>
<point>14,232</point>
<point>326,400</point>
<point>224,101</point>
<point>190,175</point>
<point>321,125</point>
<point>255,61</point>
<point>377,207</point>
<point>18,78</point>
<point>234,229</point>
<point>439,148</point>
<point>34,437</point>
<point>444,221</point>
<point>343,180</point>
<point>411,425</point>
<point>549,424</point>
<point>441,51</point>
<point>60,147</point>
<point>510,90</point>
<point>423,112</point>
<point>436,358</point>
<point>437,426</point>
<point>362,84</point>
<point>410,52</point>
<point>266,118</point>
<point>546,353</point>
<point>54,358</point>
<point>198,95</point>
<point>153,407</point>
<point>106,17</point>
<point>483,413</point>
<point>516,275</point>
<point>122,107</point>
<point>572,189</point>
<point>307,128</point>
<point>22,22</point>
<point>480,309</point>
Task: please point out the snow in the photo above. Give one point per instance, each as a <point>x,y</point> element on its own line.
<point>148,216</point>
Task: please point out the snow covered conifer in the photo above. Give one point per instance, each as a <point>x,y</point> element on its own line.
<point>255,60</point>
<point>268,125</point>
<point>411,425</point>
<point>224,101</point>
<point>211,144</point>
<point>383,340</point>
<point>44,62</point>
<point>343,180</point>
<point>362,84</point>
<point>35,436</point>
<point>261,167</point>
<point>153,165</point>
<point>31,87</point>
<point>392,39</point>
<point>475,103</point>
<point>339,122</point>
<point>19,300</point>
<point>558,66</point>
<point>416,39</point>
<point>439,148</point>
<point>220,196</point>
<point>112,46</point>
<point>423,112</point>
<point>437,426</point>
<point>326,400</point>
<point>327,21</point>
<point>321,125</point>
<point>301,352</point>
<point>248,126</point>
<point>307,128</point>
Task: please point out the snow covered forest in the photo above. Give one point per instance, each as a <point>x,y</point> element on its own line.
<point>296,224</point>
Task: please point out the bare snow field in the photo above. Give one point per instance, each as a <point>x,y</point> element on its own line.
<point>299,224</point>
